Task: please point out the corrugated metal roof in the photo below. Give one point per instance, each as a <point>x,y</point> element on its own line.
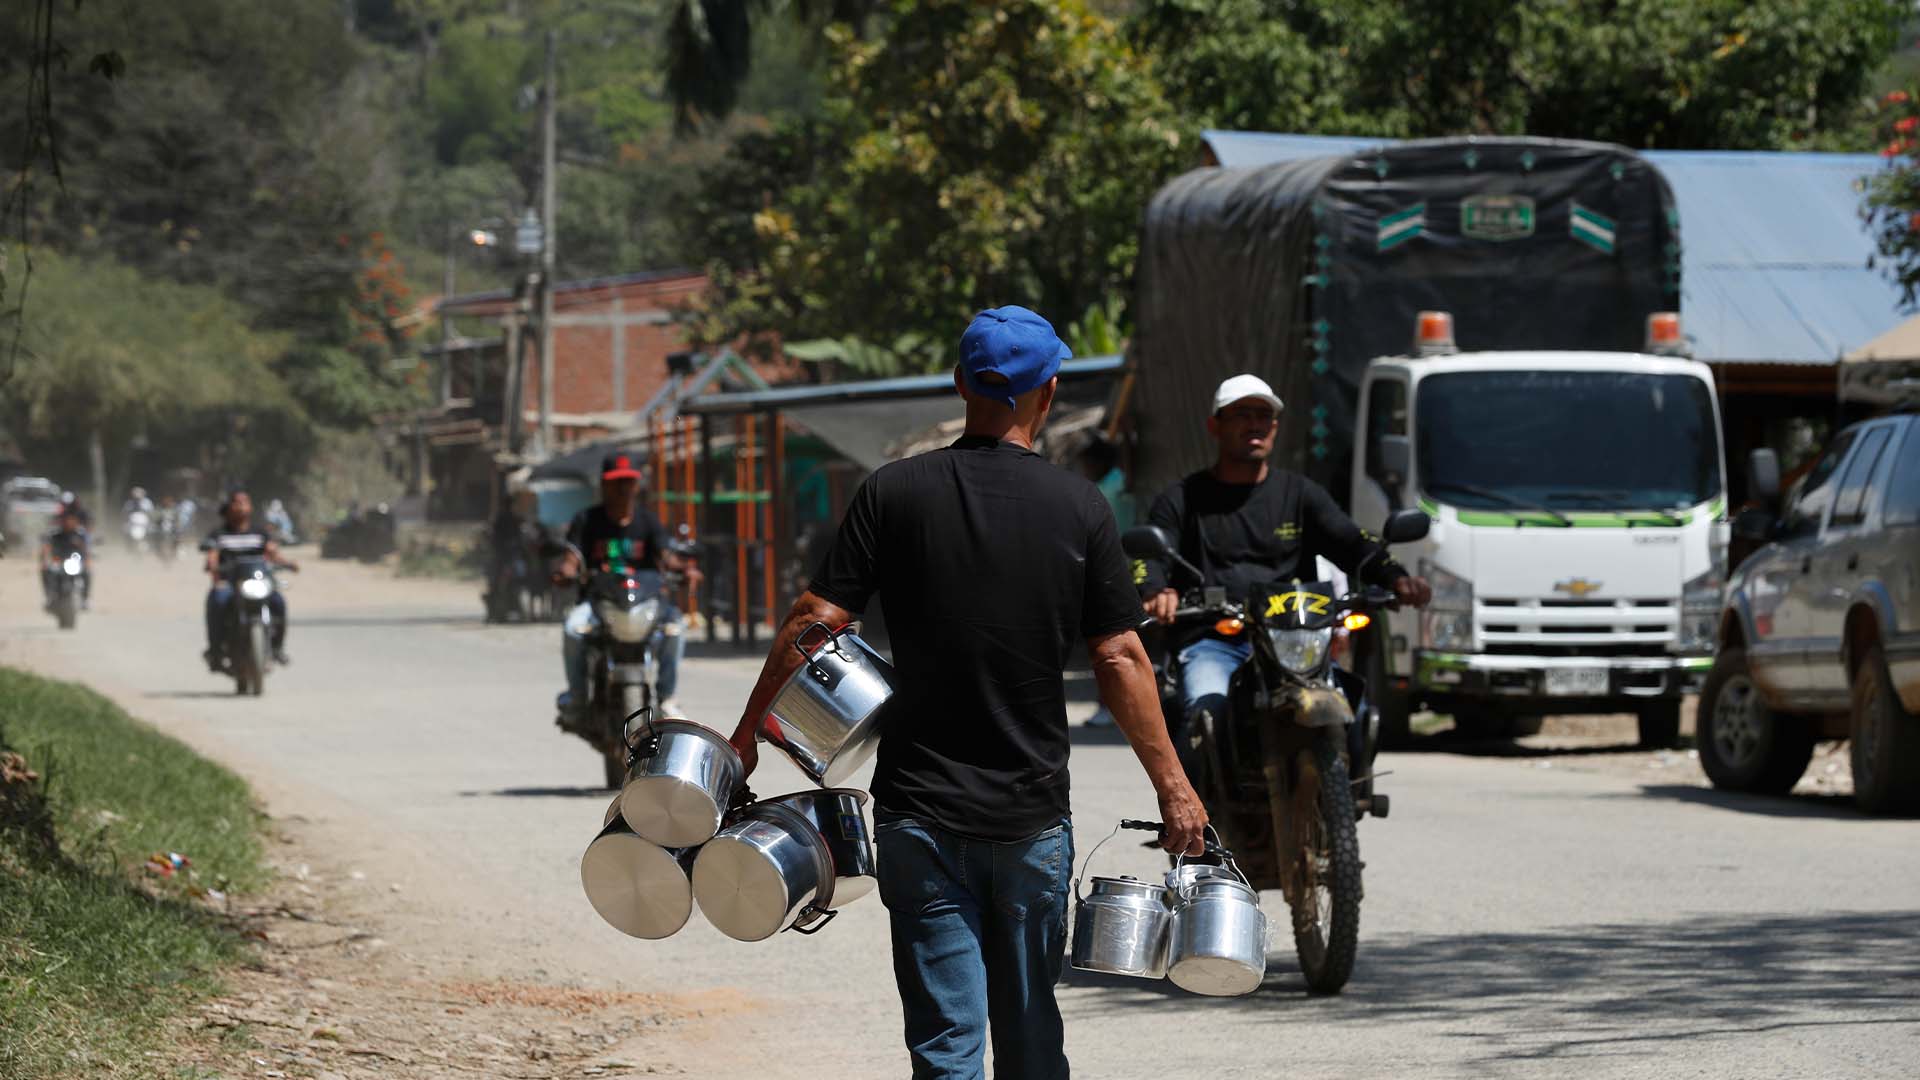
<point>1774,266</point>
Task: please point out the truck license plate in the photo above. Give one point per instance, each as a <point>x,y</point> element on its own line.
<point>1576,682</point>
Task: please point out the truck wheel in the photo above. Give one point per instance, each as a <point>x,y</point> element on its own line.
<point>1744,745</point>
<point>1886,741</point>
<point>1660,725</point>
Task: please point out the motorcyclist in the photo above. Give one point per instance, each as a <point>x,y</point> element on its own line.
<point>622,536</point>
<point>68,539</point>
<point>279,521</point>
<point>71,501</point>
<point>137,501</point>
<point>237,538</point>
<point>1244,523</point>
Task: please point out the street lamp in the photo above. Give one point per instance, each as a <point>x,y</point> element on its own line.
<point>479,238</point>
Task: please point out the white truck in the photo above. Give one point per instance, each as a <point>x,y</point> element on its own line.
<point>1578,547</point>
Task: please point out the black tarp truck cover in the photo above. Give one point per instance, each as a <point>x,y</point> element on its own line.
<point>1303,271</point>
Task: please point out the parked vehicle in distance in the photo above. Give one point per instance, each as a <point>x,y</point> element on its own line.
<point>1820,629</point>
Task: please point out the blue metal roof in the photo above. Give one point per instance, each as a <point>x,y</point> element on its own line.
<point>1774,268</point>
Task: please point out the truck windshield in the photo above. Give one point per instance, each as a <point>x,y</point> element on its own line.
<point>1582,440</point>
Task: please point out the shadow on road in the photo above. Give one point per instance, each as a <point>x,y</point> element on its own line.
<point>194,694</point>
<point>304,622</point>
<point>540,793</point>
<point>1835,807</point>
<point>1601,989</point>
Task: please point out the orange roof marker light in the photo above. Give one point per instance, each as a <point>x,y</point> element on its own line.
<point>1663,334</point>
<point>1433,333</point>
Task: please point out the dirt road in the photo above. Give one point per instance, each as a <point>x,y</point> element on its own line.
<point>1525,916</point>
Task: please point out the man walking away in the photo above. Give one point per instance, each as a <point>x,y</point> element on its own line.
<point>989,563</point>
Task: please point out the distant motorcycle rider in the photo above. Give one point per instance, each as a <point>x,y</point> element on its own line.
<point>236,538</point>
<point>1243,524</point>
<point>618,535</point>
<point>70,538</point>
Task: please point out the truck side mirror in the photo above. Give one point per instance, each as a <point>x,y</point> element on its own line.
<point>1146,542</point>
<point>1406,526</point>
<point>1763,476</point>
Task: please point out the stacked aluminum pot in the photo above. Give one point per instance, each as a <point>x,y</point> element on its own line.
<point>1202,927</point>
<point>684,830</point>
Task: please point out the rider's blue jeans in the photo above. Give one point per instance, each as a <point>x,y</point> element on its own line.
<point>220,597</point>
<point>979,939</point>
<point>1206,673</point>
<point>581,622</point>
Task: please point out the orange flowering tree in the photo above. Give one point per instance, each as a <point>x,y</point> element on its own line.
<point>1893,194</point>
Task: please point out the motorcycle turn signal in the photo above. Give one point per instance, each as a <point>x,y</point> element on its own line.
<point>1229,627</point>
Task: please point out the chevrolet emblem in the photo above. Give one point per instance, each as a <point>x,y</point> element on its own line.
<point>1576,587</point>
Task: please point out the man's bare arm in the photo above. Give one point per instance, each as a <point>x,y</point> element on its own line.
<point>782,659</point>
<point>1125,678</point>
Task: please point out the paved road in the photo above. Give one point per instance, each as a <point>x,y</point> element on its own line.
<point>1520,920</point>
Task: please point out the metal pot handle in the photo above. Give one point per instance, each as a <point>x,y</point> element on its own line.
<point>650,743</point>
<point>800,640</point>
<point>826,916</point>
<point>1088,865</point>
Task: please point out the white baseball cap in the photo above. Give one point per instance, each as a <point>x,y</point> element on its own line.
<point>1241,387</point>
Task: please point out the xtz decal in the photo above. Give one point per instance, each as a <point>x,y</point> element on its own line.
<point>1139,571</point>
<point>1401,226</point>
<point>1591,228</point>
<point>1288,532</point>
<point>1311,603</point>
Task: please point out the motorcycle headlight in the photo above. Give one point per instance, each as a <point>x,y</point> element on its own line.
<point>1700,601</point>
<point>1300,650</point>
<point>1447,623</point>
<point>256,588</point>
<point>630,624</point>
<point>74,565</point>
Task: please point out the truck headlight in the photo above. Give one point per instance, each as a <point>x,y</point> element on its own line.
<point>1700,601</point>
<point>1447,623</point>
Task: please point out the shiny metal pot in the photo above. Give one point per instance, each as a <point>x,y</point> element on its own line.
<point>680,783</point>
<point>1217,944</point>
<point>837,816</point>
<point>827,717</point>
<point>640,888</point>
<point>1120,927</point>
<point>768,871</point>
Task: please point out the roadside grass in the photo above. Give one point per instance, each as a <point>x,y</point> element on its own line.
<point>95,949</point>
<point>433,558</point>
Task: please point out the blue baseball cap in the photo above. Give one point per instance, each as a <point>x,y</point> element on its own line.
<point>1014,343</point>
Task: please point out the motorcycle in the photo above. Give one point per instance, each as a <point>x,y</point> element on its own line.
<point>139,524</point>
<point>68,581</point>
<point>1287,774</point>
<point>622,662</point>
<point>167,540</point>
<point>249,631</point>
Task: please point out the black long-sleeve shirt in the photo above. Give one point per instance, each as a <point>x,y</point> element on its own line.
<point>1243,536</point>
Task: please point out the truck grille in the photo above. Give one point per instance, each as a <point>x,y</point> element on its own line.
<point>1569,627</point>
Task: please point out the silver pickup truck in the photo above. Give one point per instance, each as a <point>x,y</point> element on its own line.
<point>1820,629</point>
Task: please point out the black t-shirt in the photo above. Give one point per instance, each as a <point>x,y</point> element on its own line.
<point>1243,536</point>
<point>247,543</point>
<point>989,563</point>
<point>63,543</point>
<point>625,549</point>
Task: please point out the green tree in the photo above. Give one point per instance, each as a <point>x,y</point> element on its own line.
<point>114,357</point>
<point>968,155</point>
<point>1892,206</point>
<point>1644,73</point>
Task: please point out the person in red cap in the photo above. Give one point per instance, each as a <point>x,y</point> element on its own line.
<point>619,536</point>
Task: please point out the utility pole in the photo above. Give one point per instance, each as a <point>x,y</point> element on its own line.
<point>547,184</point>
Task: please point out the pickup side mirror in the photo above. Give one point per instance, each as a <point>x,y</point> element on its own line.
<point>1406,526</point>
<point>1756,525</point>
<point>1763,476</point>
<point>1146,542</point>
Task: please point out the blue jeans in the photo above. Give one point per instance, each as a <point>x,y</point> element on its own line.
<point>220,597</point>
<point>1206,673</point>
<point>581,621</point>
<point>979,939</point>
